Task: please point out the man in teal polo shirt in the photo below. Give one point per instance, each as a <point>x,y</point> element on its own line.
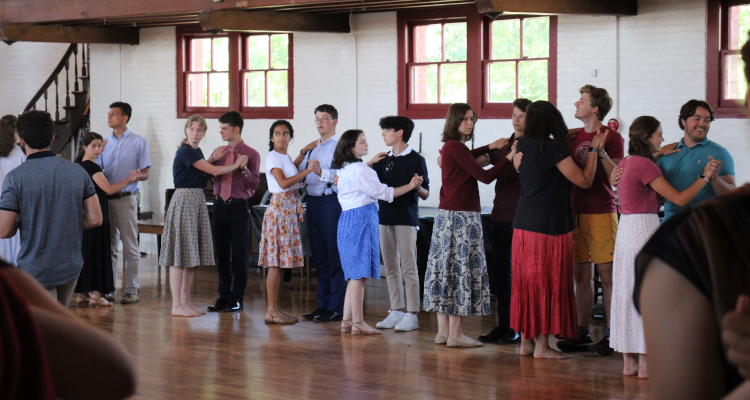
<point>694,151</point>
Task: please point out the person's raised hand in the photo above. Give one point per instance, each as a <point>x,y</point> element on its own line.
<point>416,182</point>
<point>499,143</point>
<point>218,153</point>
<point>614,177</point>
<point>104,144</point>
<point>440,158</point>
<point>517,161</point>
<point>669,149</point>
<point>573,132</point>
<point>135,175</point>
<point>316,167</point>
<point>377,158</point>
<point>736,335</point>
<point>336,180</point>
<point>512,152</point>
<point>599,140</point>
<point>311,145</point>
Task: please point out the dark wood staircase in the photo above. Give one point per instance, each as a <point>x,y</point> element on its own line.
<point>75,120</point>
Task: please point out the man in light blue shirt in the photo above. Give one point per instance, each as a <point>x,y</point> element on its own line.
<point>695,150</point>
<point>125,152</point>
<point>323,211</point>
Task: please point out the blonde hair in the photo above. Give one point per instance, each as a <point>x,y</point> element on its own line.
<point>194,118</point>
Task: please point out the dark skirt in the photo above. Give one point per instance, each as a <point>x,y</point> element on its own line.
<point>97,262</point>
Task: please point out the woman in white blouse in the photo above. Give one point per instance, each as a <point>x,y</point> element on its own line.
<point>280,243</point>
<point>11,156</point>
<point>357,236</point>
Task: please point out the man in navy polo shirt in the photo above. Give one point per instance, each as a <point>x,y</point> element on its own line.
<point>694,151</point>
<point>399,221</point>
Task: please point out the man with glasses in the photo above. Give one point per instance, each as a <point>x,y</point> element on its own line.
<point>323,211</point>
<point>125,151</point>
<point>399,221</point>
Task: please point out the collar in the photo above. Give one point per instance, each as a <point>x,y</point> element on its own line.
<point>406,151</point>
<point>334,138</point>
<point>124,134</point>
<point>40,154</point>
<point>239,145</point>
<point>703,142</point>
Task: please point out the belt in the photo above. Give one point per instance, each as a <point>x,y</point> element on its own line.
<point>324,194</point>
<point>230,200</point>
<point>120,195</point>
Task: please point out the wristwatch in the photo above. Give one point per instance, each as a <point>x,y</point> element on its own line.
<point>593,149</point>
<point>604,154</point>
<point>243,169</point>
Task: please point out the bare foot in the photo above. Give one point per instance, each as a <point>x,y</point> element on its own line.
<point>643,368</point>
<point>184,312</point>
<point>186,304</point>
<point>527,347</point>
<point>550,354</point>
<point>630,364</point>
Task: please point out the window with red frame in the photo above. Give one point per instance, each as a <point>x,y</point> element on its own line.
<point>728,27</point>
<point>249,73</point>
<point>458,55</point>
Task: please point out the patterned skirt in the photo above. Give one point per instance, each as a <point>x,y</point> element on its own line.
<point>187,241</point>
<point>627,326</point>
<point>359,242</point>
<point>280,243</point>
<point>542,296</point>
<point>456,282</point>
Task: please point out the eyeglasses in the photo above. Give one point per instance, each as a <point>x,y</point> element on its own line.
<point>389,167</point>
<point>113,115</point>
<point>317,121</point>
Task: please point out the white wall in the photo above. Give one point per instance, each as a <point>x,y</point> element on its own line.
<point>24,66</point>
<point>660,54</point>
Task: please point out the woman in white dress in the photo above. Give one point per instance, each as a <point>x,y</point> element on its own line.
<point>11,156</point>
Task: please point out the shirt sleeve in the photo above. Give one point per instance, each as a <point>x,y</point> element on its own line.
<point>727,163</point>
<point>646,169</point>
<point>368,183</point>
<point>88,187</point>
<point>9,200</point>
<point>615,145</point>
<point>479,151</point>
<point>188,155</point>
<point>272,162</point>
<point>464,160</point>
<point>423,173</point>
<point>144,158</point>
<point>251,175</point>
<point>554,152</point>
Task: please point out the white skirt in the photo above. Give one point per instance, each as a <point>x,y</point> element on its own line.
<point>626,335</point>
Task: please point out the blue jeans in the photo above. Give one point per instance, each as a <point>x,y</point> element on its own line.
<point>231,236</point>
<point>322,221</point>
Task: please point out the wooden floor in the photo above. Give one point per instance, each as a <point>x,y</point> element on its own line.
<point>237,356</point>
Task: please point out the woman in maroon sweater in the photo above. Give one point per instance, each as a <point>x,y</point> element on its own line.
<point>456,283</point>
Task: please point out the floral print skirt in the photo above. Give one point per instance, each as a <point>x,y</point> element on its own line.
<point>187,241</point>
<point>456,280</point>
<point>280,243</point>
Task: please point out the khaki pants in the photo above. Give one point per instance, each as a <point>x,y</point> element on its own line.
<point>398,246</point>
<point>62,293</point>
<point>123,225</point>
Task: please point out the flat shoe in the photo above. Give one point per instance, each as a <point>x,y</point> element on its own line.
<point>440,339</point>
<point>453,343</point>
<point>346,326</point>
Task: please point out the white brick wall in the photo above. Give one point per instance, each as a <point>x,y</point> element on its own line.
<point>24,67</point>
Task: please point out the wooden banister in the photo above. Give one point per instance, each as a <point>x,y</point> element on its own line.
<point>53,76</point>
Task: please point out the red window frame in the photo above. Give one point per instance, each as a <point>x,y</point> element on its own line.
<point>716,50</point>
<point>477,57</point>
<point>237,57</point>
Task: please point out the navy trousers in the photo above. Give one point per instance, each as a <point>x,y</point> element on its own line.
<point>322,222</point>
<point>502,244</point>
<point>231,236</point>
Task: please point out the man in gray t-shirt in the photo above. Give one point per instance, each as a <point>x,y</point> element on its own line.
<point>51,201</point>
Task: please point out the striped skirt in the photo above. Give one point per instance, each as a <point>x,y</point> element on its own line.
<point>280,242</point>
<point>187,241</point>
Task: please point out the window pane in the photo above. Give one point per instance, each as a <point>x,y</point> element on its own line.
<point>255,89</point>
<point>257,52</point>
<point>428,43</point>
<point>739,24</point>
<point>506,39</point>
<point>502,82</point>
<point>197,90</point>
<point>278,89</point>
<point>453,83</point>
<point>735,84</point>
<point>424,84</point>
<point>455,42</point>
<point>532,80</point>
<point>200,54</point>
<point>280,51</point>
<point>221,54</point>
<point>218,90</point>
<point>536,38</point>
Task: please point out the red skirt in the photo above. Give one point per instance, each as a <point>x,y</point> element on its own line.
<point>542,295</point>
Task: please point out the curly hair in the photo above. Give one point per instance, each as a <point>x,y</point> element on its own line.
<point>344,153</point>
<point>599,98</point>
<point>7,134</point>
<point>641,131</point>
<point>398,123</point>
<point>543,120</point>
<point>273,126</point>
<point>36,128</point>
<point>456,114</point>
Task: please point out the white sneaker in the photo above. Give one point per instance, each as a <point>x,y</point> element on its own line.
<point>394,317</point>
<point>408,323</point>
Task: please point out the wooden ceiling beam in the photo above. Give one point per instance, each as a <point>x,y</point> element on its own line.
<point>587,7</point>
<point>231,20</point>
<point>67,34</point>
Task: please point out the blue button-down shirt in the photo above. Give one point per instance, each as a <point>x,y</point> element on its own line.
<point>682,169</point>
<point>121,156</point>
<point>319,185</point>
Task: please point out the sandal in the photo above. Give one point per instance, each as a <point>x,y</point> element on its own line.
<point>346,326</point>
<point>82,298</point>
<point>280,320</point>
<point>359,331</point>
<point>100,302</point>
<point>289,316</point>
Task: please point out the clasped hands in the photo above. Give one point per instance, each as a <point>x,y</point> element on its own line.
<point>135,176</point>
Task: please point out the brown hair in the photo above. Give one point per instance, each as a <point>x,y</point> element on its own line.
<point>455,116</point>
<point>327,108</point>
<point>522,104</point>
<point>599,98</point>
<point>7,134</point>
<point>745,53</point>
<point>194,118</point>
<point>344,154</point>
<point>688,110</point>
<point>641,131</point>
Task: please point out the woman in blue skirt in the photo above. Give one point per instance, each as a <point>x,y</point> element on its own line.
<point>359,245</point>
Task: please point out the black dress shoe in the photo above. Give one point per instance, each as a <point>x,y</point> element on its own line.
<point>312,315</point>
<point>329,316</point>
<point>511,337</point>
<point>233,306</point>
<point>496,334</point>
<point>219,305</point>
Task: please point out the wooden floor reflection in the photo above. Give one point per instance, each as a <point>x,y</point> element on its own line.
<point>237,356</point>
